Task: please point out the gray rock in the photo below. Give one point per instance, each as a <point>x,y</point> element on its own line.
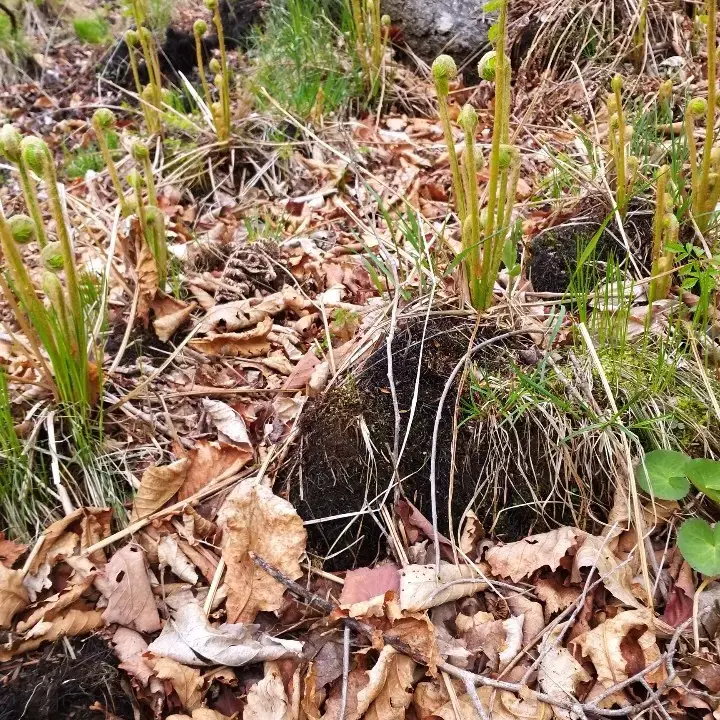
<point>431,27</point>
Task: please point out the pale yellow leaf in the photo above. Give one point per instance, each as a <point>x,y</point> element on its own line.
<point>157,486</point>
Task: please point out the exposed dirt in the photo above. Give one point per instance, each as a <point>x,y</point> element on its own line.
<point>556,251</point>
<point>56,687</point>
<point>333,472</point>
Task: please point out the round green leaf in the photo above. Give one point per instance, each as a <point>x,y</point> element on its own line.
<point>663,473</point>
<point>700,546</point>
<point>705,475</point>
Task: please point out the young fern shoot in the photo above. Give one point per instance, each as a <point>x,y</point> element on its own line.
<point>102,121</point>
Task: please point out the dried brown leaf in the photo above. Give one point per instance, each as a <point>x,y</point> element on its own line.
<point>13,595</point>
<point>127,588</point>
<point>210,461</point>
<point>129,647</point>
<point>157,486</point>
<point>420,587</point>
<point>170,315</point>
<point>267,699</point>
<point>395,697</point>
<point>229,423</point>
<point>186,681</point>
<point>560,674</point>
<point>254,519</point>
<point>519,559</point>
<point>71,624</point>
<point>10,551</point>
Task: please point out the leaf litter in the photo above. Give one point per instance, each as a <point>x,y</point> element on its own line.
<point>211,598</point>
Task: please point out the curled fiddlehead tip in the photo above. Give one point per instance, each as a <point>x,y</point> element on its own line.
<point>616,83</point>
<point>22,229</point>
<point>508,154</point>
<point>211,5</point>
<point>200,27</point>
<point>10,140</point>
<point>386,21</point>
<point>214,66</point>
<point>139,152</point>
<point>134,179</point>
<point>487,67</point>
<point>52,287</point>
<point>468,118</point>
<point>103,118</point>
<point>36,154</point>
<point>51,257</point>
<point>444,68</point>
<point>697,106</point>
<point>131,38</point>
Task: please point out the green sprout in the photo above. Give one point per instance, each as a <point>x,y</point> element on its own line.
<point>618,139</point>
<point>102,121</point>
<point>443,71</point>
<point>10,140</point>
<point>199,30</point>
<point>223,131</point>
<point>468,121</point>
<point>703,211</point>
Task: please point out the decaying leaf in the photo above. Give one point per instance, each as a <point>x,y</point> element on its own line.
<point>366,583</point>
<point>52,606</point>
<point>71,624</point>
<point>10,551</point>
<point>394,698</point>
<point>210,461</point>
<point>129,647</point>
<point>254,519</point>
<point>170,555</point>
<point>560,674</point>
<point>157,486</point>
<point>519,559</point>
<point>170,314</point>
<point>421,588</point>
<point>191,640</point>
<point>267,699</point>
<point>229,423</point>
<point>555,596</point>
<point>13,595</point>
<point>186,681</point>
<point>250,343</point>
<point>127,589</point>
<point>622,646</point>
<point>505,706</point>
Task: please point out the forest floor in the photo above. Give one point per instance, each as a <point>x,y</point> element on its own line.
<point>312,480</point>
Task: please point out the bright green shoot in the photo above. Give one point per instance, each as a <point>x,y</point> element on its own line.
<point>222,78</point>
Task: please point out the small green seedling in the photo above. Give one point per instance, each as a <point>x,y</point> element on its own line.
<point>103,121</point>
<point>667,475</point>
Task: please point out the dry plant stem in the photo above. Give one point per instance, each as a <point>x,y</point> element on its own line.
<point>32,203</point>
<point>345,672</point>
<point>55,466</point>
<point>710,117</point>
<point>695,614</point>
<point>580,709</point>
<point>436,430</point>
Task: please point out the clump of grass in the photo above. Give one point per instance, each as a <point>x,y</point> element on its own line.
<point>301,56</point>
<point>91,29</point>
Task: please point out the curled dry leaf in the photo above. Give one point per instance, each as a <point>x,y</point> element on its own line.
<point>513,627</point>
<point>366,583</point>
<point>51,607</point>
<point>267,699</point>
<point>13,595</point>
<point>10,551</point>
<point>211,461</point>
<point>555,595</point>
<point>191,640</point>
<point>395,697</point>
<point>519,559</point>
<point>157,486</point>
<point>127,588</point>
<point>170,555</point>
<point>622,646</point>
<point>421,588</point>
<point>228,422</point>
<point>170,315</point>
<point>129,647</point>
<point>505,706</point>
<point>250,343</point>
<point>560,674</point>
<point>72,623</point>
<point>254,519</point>
<point>186,681</point>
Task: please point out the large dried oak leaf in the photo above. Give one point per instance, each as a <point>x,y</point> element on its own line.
<point>254,519</point>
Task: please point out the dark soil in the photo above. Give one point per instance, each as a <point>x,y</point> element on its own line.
<point>332,471</point>
<point>555,252</point>
<point>55,687</point>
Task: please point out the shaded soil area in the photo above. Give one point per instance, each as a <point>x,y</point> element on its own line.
<point>56,687</point>
<point>555,252</point>
<point>341,464</point>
